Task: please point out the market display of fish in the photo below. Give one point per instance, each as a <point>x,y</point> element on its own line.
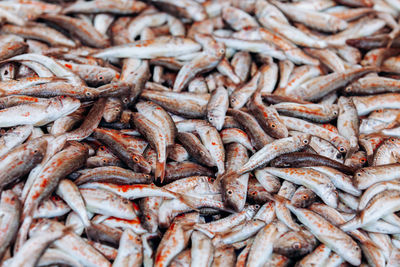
<point>259,133</point>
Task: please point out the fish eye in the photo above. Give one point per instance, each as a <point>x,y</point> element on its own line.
<point>210,119</point>
<point>304,197</point>
<point>257,206</point>
<point>305,141</point>
<point>363,160</point>
<point>348,89</point>
<point>358,174</point>
<point>296,245</point>
<point>35,151</point>
<point>335,113</point>
<point>229,192</point>
<point>100,77</point>
<point>104,161</point>
<point>392,140</point>
<point>273,125</point>
<point>342,149</point>
<point>135,159</point>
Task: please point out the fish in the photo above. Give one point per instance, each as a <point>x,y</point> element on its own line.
<point>157,138</point>
<point>175,240</point>
<point>27,256</point>
<point>16,164</point>
<point>348,123</point>
<point>130,249</point>
<point>38,114</point>
<point>11,210</point>
<point>262,247</point>
<point>217,107</point>
<point>320,113</point>
<point>148,49</point>
<point>86,254</point>
<point>302,159</point>
<point>280,146</point>
<point>316,181</point>
<point>330,235</point>
<point>202,252</point>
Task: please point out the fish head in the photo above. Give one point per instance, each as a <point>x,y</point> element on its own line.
<point>143,164</point>
<point>216,118</point>
<point>341,143</point>
<point>303,139</point>
<point>352,253</point>
<point>302,200</point>
<point>234,194</point>
<point>393,142</point>
<point>292,244</point>
<point>333,109</point>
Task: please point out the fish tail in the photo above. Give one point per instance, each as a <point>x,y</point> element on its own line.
<point>92,234</point>
<point>160,171</point>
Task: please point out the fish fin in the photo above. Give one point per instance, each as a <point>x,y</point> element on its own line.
<point>169,149</point>
<point>188,200</point>
<point>92,234</point>
<point>68,229</point>
<point>204,231</point>
<point>188,226</point>
<point>278,198</point>
<point>87,229</point>
<point>220,177</point>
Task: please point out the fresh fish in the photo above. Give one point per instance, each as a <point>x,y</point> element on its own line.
<point>38,114</point>
<point>161,46</point>
<point>200,133</point>
<point>21,160</point>
<point>10,209</point>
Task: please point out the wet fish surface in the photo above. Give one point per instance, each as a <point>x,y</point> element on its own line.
<point>200,133</point>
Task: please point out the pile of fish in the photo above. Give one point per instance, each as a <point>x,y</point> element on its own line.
<point>200,133</point>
